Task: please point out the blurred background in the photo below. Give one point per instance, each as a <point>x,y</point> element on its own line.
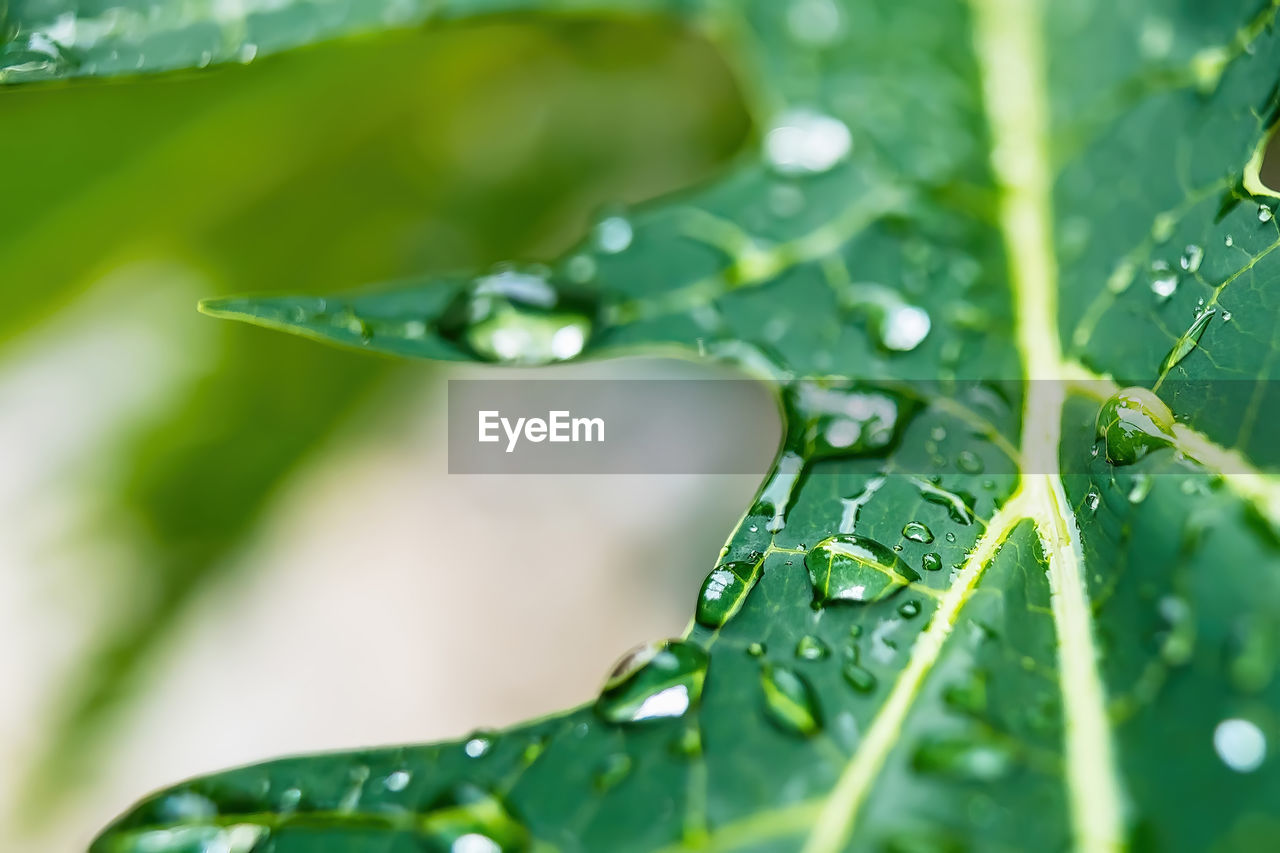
<point>220,544</point>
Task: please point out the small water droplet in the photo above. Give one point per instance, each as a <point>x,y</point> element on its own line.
<point>1265,213</point>
<point>613,235</point>
<point>852,568</point>
<point>1226,316</point>
<point>815,22</point>
<point>950,537</point>
<point>1140,488</point>
<point>806,142</point>
<point>1164,281</point>
<point>1092,500</point>
<point>1240,744</point>
<point>519,317</point>
<point>917,532</point>
<point>789,701</point>
<point>969,462</point>
<point>654,681</point>
<point>477,747</point>
<point>1133,422</point>
<point>1192,256</point>
<point>859,678</point>
<point>931,562</point>
<point>811,648</point>
<point>757,649</point>
<point>724,592</point>
<point>909,609</point>
<point>397,780</point>
<point>1228,241</point>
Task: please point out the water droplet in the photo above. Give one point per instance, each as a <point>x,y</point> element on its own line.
<point>477,747</point>
<point>909,609</point>
<point>969,462</point>
<point>1092,500</point>
<point>931,562</point>
<point>397,780</point>
<point>1162,227</point>
<point>858,677</point>
<point>519,317</point>
<point>976,758</point>
<point>1240,744</point>
<point>831,421</point>
<point>1164,281</point>
<point>1133,422</point>
<point>917,532</point>
<point>789,701</point>
<point>724,592</point>
<point>811,648</point>
<point>902,327</point>
<point>185,807</point>
<point>806,142</point>
<point>613,770</point>
<point>1226,316</point>
<point>757,649</point>
<point>950,537</point>
<point>1140,488</point>
<point>815,22</point>
<point>613,235</point>
<point>1228,241</point>
<point>1192,256</point>
<point>1265,213</point>
<point>852,568</point>
<point>654,681</point>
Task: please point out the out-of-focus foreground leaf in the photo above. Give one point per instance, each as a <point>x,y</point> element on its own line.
<point>308,168</point>
<point>988,598</point>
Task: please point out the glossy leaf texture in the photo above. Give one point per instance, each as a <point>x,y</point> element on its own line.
<point>1013,580</point>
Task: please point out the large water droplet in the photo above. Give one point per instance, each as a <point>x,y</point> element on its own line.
<point>917,532</point>
<point>654,681</point>
<point>806,142</point>
<point>829,420</point>
<point>810,647</point>
<point>1133,422</point>
<point>789,701</point>
<point>902,327</point>
<point>1240,744</point>
<point>520,317</point>
<point>852,568</point>
<point>724,592</point>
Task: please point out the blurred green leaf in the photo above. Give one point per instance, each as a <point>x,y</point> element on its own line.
<point>307,169</point>
<point>987,599</point>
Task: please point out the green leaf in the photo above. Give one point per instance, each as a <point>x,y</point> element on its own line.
<point>988,598</point>
<point>43,40</point>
